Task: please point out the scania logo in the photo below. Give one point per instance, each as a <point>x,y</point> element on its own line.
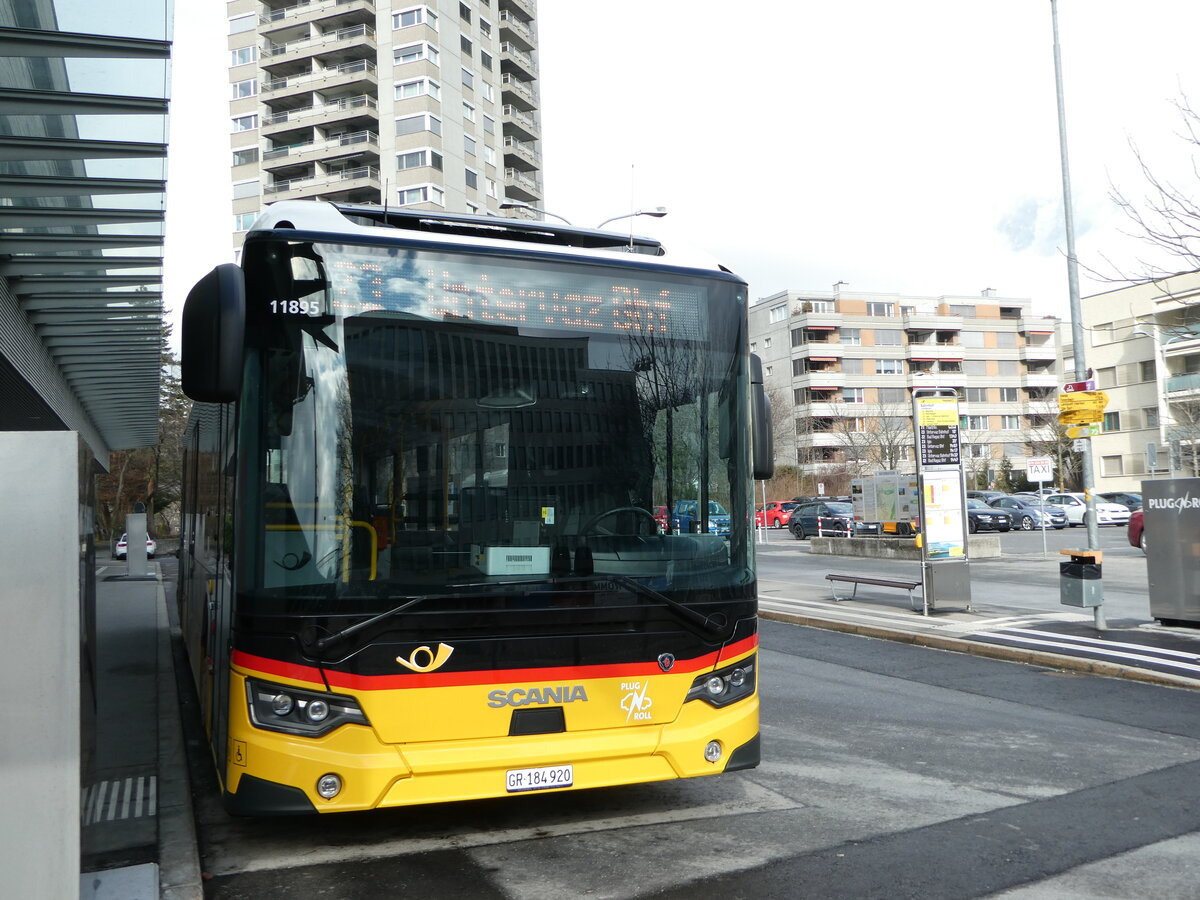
<point>563,693</point>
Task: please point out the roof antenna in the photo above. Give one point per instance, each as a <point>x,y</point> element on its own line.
<point>386,197</point>
<point>631,207</point>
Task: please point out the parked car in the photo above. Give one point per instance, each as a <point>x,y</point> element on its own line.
<point>1075,506</point>
<point>1127,499</point>
<point>981,517</point>
<point>1029,513</point>
<point>121,551</point>
<point>774,513</point>
<point>985,496</point>
<point>1136,531</point>
<point>686,517</point>
<point>828,517</point>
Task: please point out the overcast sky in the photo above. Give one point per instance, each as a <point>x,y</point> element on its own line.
<point>898,146</point>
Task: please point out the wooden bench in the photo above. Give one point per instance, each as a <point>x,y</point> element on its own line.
<point>901,583</point>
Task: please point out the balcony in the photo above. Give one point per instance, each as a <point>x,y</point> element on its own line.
<point>333,182</point>
<point>345,74</point>
<point>309,151</point>
<point>342,40</point>
<point>520,123</point>
<point>1183,383</point>
<point>308,11</point>
<point>516,30</point>
<point>520,7</point>
<point>518,92</point>
<point>820,379</point>
<point>1041,379</point>
<point>1039,352</point>
<point>516,61</point>
<point>521,155</point>
<point>363,105</point>
<point>520,186</point>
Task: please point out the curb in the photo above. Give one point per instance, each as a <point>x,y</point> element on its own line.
<point>178,854</point>
<point>991,651</point>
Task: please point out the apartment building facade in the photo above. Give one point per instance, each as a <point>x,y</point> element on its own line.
<point>844,365</point>
<point>425,106</point>
<point>1143,346</point>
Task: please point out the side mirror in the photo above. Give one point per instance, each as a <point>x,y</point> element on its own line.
<point>213,336</point>
<point>762,432</point>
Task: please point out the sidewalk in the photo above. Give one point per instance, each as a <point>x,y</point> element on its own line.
<point>138,835</point>
<point>1015,615</point>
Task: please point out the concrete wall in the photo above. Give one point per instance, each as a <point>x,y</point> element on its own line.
<point>39,663</point>
<point>980,546</point>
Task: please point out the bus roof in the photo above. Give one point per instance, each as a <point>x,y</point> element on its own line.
<point>363,220</point>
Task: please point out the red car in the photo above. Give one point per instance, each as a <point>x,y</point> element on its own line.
<point>1136,532</point>
<point>775,514</point>
<point>660,516</point>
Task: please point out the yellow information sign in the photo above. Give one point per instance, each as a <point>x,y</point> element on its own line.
<point>933,411</point>
<point>1083,431</point>
<point>1086,416</point>
<point>1082,400</point>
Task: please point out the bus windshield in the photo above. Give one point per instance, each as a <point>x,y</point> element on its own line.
<point>422,420</point>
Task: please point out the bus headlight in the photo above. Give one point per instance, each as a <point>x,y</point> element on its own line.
<point>277,707</point>
<point>725,686</point>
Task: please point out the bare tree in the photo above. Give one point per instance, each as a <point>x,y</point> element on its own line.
<point>1046,436</point>
<point>1185,428</point>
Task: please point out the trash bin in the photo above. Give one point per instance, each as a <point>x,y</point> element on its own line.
<point>1079,582</point>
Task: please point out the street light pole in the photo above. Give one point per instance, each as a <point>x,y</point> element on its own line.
<point>1077,336</point>
<point>658,212</point>
<point>536,209</point>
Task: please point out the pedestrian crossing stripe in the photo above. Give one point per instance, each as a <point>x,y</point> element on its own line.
<point>122,798</point>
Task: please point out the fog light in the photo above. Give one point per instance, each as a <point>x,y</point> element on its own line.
<point>713,751</point>
<point>281,704</point>
<point>318,711</point>
<point>329,786</point>
<point>715,685</point>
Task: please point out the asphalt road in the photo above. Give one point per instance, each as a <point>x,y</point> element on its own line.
<point>889,770</point>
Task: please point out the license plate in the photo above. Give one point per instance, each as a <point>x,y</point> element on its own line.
<point>539,779</point>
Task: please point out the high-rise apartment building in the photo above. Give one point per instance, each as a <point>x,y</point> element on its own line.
<point>429,106</point>
<point>843,366</point>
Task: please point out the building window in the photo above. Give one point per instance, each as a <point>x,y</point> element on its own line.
<point>489,93</point>
<point>468,112</point>
<point>1151,414</point>
<point>238,24</point>
<point>417,159</point>
<point>245,123</point>
<point>422,193</point>
<point>418,88</point>
<point>472,179</point>
<point>974,367</point>
<point>492,189</point>
<point>468,145</point>
<point>973,339</point>
<point>1111,465</point>
<point>1006,340</point>
<point>243,56</point>
<point>468,79</point>
<point>489,125</point>
<point>889,337</point>
<point>242,189</point>
<point>1010,423</point>
<point>881,309</point>
<point>1147,370</point>
<point>245,156</point>
<point>853,395</point>
<point>888,367</point>
<point>1006,366</point>
<point>243,89</point>
<point>464,44</point>
<point>1008,395</point>
<point>851,336</point>
<point>418,15</point>
<point>977,395</point>
<point>485,27</point>
<point>489,154</point>
<point>1014,450</point>
<point>1112,422</point>
<point>852,366</point>
<point>415,124</point>
<point>974,423</point>
<point>414,52</point>
<point>777,313</point>
<point>485,61</point>
<point>891,395</point>
<point>1106,377</point>
<point>243,221</point>
<point>464,13</point>
<point>766,343</point>
<point>770,370</point>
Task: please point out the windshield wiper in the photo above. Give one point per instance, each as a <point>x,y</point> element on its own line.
<point>714,626</point>
<point>409,602</point>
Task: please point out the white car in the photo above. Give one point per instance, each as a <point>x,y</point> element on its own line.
<point>1075,506</point>
<point>122,548</point>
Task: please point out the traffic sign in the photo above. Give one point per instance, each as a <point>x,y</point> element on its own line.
<point>1083,431</point>
<point>1082,400</point>
<point>1083,416</point>
<point>1039,468</point>
<point>1076,386</point>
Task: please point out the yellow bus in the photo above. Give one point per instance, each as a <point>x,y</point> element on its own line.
<point>419,558</point>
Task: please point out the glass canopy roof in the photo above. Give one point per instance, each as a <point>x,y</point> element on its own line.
<point>83,141</point>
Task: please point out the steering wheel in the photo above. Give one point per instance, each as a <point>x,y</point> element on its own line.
<point>637,510</point>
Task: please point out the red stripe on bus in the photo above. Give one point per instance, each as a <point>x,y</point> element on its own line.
<point>347,680</point>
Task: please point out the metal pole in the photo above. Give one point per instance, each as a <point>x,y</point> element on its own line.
<point>1077,336</point>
